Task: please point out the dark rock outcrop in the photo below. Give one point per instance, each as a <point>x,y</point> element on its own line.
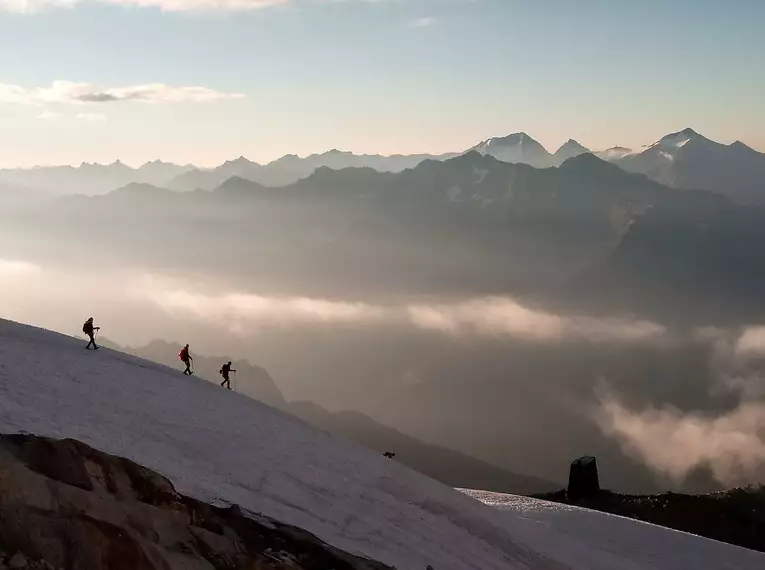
<point>736,516</point>
<point>66,505</point>
<point>583,478</point>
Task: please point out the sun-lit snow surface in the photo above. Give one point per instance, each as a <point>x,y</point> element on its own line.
<point>598,541</point>
<point>223,447</point>
<point>220,446</point>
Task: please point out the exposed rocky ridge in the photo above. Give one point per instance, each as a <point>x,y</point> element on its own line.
<point>66,505</point>
<point>736,516</point>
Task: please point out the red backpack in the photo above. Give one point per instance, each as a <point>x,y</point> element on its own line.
<point>183,355</point>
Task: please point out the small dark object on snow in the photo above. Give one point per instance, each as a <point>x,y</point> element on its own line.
<point>583,478</point>
<point>389,455</point>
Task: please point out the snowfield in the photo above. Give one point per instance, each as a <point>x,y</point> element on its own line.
<point>223,447</point>
<point>598,541</point>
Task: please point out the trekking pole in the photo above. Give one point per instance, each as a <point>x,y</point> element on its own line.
<point>234,380</point>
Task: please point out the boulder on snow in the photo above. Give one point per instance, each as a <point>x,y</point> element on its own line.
<point>69,506</point>
<point>583,479</point>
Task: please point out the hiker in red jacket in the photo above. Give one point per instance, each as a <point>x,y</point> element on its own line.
<point>186,359</point>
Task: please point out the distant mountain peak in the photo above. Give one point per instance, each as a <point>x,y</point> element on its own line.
<point>238,184</point>
<point>471,157</point>
<point>241,161</point>
<point>139,189</point>
<point>517,147</point>
<point>570,149</point>
<point>689,132</point>
<point>673,142</point>
<point>514,138</point>
<point>590,164</point>
<point>288,158</point>
<point>738,146</point>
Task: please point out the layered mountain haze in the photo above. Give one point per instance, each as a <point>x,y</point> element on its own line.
<point>90,178</point>
<point>291,168</point>
<point>518,228</point>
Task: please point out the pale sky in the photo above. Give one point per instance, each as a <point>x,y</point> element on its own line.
<point>208,80</point>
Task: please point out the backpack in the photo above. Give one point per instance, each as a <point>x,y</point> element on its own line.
<point>183,355</point>
<point>86,327</point>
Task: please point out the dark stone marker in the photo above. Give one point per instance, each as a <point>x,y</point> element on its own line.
<point>583,478</point>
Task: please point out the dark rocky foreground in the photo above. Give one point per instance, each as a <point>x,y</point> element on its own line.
<point>736,516</point>
<point>66,505</point>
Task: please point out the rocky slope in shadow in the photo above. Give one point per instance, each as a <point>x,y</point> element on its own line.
<point>66,505</point>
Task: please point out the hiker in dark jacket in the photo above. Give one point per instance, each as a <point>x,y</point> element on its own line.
<point>225,372</point>
<point>186,359</point>
<point>89,330</point>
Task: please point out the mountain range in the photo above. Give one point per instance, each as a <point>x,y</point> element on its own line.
<point>684,159</point>
<point>468,224</point>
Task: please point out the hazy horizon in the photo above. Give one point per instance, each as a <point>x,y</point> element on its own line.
<point>464,148</point>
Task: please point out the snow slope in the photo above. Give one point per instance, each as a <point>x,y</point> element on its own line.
<point>222,447</point>
<point>598,541</point>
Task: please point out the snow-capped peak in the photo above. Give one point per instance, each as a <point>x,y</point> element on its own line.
<point>613,153</point>
<point>677,140</point>
<point>517,147</point>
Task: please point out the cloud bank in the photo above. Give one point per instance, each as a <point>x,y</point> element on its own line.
<point>729,442</point>
<point>497,317</point>
<point>731,445</point>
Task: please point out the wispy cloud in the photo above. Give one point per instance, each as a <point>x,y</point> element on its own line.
<point>34,6</point>
<point>423,22</point>
<point>13,268</point>
<point>503,316</point>
<point>495,316</point>
<point>751,342</point>
<point>70,92</point>
<point>49,116</point>
<point>92,117</point>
